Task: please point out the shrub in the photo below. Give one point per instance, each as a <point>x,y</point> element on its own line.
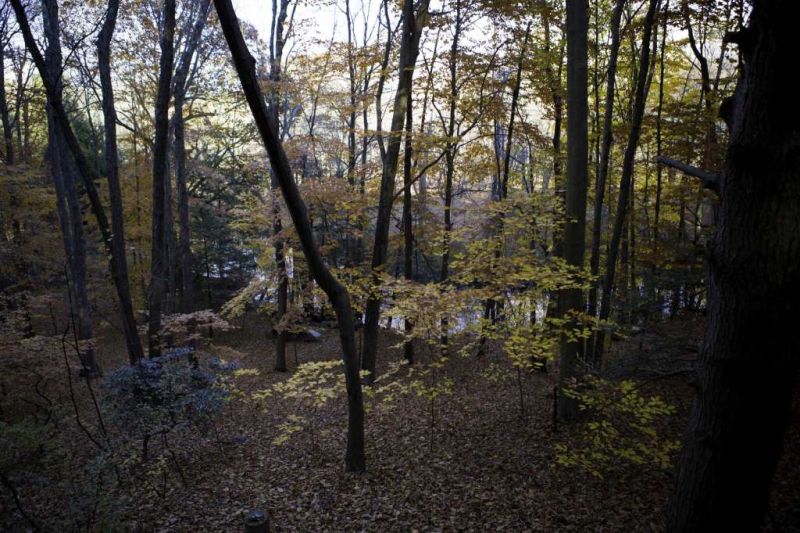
<point>621,426</point>
<point>159,395</point>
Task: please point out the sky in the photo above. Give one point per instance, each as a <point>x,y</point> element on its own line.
<point>259,14</point>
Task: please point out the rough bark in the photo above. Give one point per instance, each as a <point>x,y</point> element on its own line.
<point>571,300</point>
<point>340,299</point>
<point>158,265</point>
<point>748,364</point>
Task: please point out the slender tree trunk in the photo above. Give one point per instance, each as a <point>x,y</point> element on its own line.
<point>276,51</point>
<point>158,266</point>
<point>449,158</point>
<point>180,86</point>
<point>602,167</point>
<point>513,112</point>
<point>120,273</point>
<point>554,83</point>
<point>571,300</point>
<point>170,243</point>
<point>355,460</point>
<point>413,24</point>
<point>659,153</point>
<point>408,235</point>
<point>623,200</point>
<point>68,199</point>
<point>351,244</point>
<point>748,364</point>
<point>59,115</point>
<point>8,136</point>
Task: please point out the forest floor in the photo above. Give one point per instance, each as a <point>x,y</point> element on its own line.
<point>485,464</point>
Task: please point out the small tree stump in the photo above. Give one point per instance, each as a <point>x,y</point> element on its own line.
<point>256,522</point>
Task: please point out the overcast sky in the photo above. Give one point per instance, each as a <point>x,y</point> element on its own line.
<point>322,16</point>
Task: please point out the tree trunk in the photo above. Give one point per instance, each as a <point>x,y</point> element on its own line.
<point>623,200</point>
<point>413,24</point>
<point>120,273</point>
<point>748,364</point>
<point>659,148</point>
<point>340,299</point>
<point>554,83</point>
<point>180,86</point>
<point>158,267</point>
<point>408,235</point>
<point>276,52</point>
<point>68,201</point>
<point>571,300</point>
<point>602,168</point>
<point>450,164</point>
<point>8,137</point>
<point>59,115</point>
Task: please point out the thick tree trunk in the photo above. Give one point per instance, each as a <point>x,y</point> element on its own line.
<point>623,200</point>
<point>574,244</point>
<point>749,364</point>
<point>340,299</point>
<point>158,266</point>
<point>120,272</point>
<point>413,24</point>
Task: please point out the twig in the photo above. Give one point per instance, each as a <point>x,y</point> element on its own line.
<point>6,482</point>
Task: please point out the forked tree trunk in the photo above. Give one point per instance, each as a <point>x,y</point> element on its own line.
<point>413,24</point>
<point>749,361</point>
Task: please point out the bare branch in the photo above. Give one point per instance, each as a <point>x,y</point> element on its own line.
<point>710,180</point>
